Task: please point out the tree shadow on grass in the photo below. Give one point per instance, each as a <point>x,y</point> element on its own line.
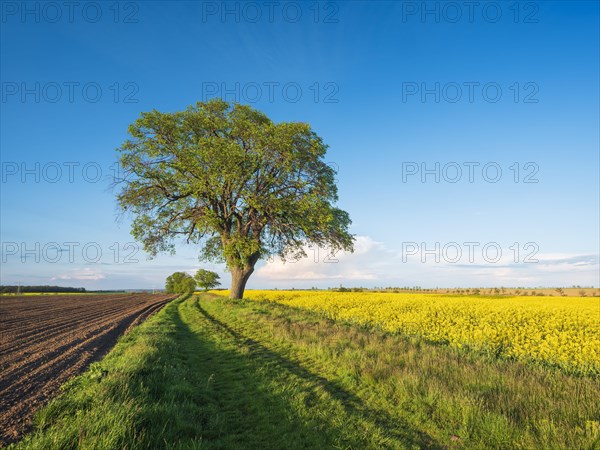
<point>195,390</point>
<point>186,380</point>
<point>396,429</point>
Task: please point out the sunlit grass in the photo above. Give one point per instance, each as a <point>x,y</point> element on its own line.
<point>208,372</point>
<point>557,331</point>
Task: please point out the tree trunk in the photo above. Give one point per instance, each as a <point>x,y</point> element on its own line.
<point>239,278</point>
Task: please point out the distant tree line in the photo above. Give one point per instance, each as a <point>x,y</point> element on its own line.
<point>7,289</point>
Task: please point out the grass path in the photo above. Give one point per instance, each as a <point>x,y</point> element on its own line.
<point>210,373</point>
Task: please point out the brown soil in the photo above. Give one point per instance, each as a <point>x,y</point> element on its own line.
<point>45,340</point>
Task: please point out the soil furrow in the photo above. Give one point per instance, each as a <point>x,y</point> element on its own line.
<point>48,340</point>
<point>30,337</point>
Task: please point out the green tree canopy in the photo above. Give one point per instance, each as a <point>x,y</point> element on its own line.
<point>225,177</point>
<point>207,279</point>
<point>180,283</point>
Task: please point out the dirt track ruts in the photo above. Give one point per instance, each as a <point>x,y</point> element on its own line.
<point>45,340</point>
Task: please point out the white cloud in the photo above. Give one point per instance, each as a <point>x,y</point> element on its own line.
<point>374,264</point>
<point>86,274</point>
<point>362,265</point>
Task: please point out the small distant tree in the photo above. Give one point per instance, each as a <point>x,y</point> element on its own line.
<point>180,283</point>
<point>582,293</point>
<point>560,291</point>
<point>207,279</point>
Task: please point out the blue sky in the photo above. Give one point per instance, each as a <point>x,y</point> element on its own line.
<point>507,90</point>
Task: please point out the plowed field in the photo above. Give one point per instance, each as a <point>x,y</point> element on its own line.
<point>45,340</point>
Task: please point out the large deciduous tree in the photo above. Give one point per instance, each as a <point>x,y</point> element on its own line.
<point>229,179</point>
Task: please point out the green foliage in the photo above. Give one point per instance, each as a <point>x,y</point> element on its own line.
<point>180,283</point>
<point>229,179</point>
<point>207,279</point>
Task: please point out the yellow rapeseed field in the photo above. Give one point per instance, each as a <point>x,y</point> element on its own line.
<point>560,331</point>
